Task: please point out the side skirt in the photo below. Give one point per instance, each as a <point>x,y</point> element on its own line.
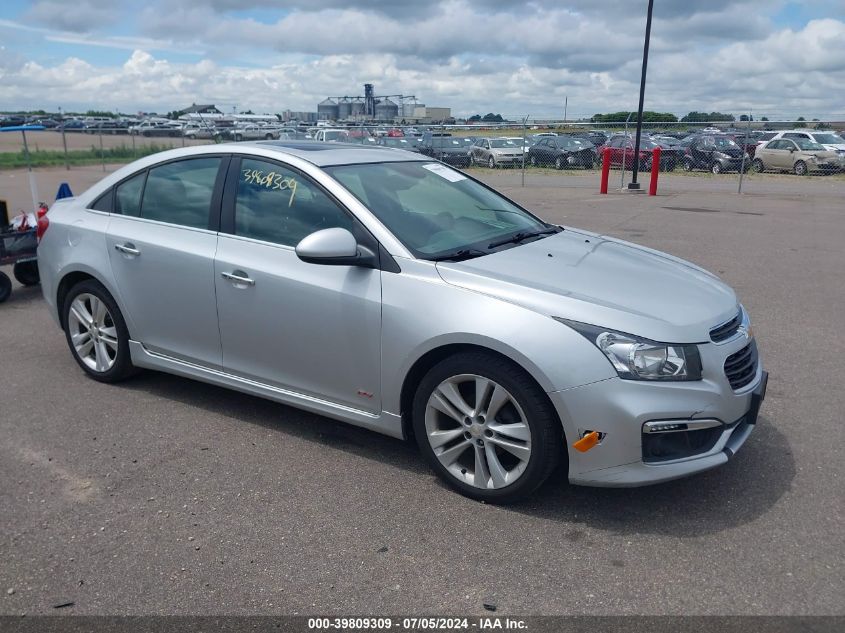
<point>385,423</point>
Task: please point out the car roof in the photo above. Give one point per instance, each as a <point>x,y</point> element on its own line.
<point>327,154</point>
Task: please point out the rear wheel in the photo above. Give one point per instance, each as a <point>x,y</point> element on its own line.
<point>486,428</point>
<point>238,137</point>
<point>532,160</point>
<point>758,166</point>
<point>27,273</point>
<point>559,162</point>
<point>491,163</point>
<point>96,333</point>
<point>687,165</point>
<point>800,168</point>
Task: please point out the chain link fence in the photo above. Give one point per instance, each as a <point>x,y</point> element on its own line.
<point>522,150</point>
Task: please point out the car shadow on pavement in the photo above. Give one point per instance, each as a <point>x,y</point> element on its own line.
<point>730,495</point>
<point>281,418</point>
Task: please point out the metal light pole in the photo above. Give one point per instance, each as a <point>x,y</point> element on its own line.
<point>634,184</point>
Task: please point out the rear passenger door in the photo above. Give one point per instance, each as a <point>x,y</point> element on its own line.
<point>307,328</point>
<point>161,241</point>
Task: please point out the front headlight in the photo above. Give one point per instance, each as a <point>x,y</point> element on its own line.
<point>636,358</point>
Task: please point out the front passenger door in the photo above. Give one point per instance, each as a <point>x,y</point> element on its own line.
<point>308,328</point>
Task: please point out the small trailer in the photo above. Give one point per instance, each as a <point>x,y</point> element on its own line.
<point>18,249</point>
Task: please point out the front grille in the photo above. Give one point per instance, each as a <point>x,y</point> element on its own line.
<point>741,367</point>
<point>726,330</point>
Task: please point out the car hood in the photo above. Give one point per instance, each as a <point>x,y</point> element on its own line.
<point>603,281</point>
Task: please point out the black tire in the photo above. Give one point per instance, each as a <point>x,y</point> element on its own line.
<point>800,168</point>
<point>27,273</point>
<point>268,137</point>
<point>5,287</point>
<point>688,166</point>
<point>122,367</point>
<point>491,163</point>
<point>716,167</point>
<point>532,160</point>
<point>544,426</point>
<point>758,166</point>
<point>238,137</point>
<point>559,162</point>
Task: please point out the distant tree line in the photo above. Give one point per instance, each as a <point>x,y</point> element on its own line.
<point>648,117</point>
<point>487,118</point>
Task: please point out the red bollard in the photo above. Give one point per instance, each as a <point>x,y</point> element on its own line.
<point>655,170</point>
<point>605,168</point>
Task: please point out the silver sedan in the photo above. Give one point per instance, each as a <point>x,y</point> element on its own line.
<point>398,294</point>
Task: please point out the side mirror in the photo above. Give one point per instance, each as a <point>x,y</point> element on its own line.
<point>792,149</point>
<point>335,247</point>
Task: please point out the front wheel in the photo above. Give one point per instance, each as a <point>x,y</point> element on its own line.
<point>96,333</point>
<point>5,287</point>
<point>758,166</point>
<point>800,168</point>
<point>559,162</point>
<point>486,428</point>
<point>532,160</point>
<point>688,166</point>
<point>716,168</point>
<point>491,163</point>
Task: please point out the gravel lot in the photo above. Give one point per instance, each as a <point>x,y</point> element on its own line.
<point>163,495</point>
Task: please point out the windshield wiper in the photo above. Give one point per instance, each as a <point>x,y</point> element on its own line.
<point>523,235</point>
<point>460,255</point>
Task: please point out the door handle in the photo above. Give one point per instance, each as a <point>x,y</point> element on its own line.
<point>238,279</point>
<point>128,249</point>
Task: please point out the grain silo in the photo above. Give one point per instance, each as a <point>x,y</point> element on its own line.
<point>327,109</point>
<point>386,110</point>
<point>344,108</point>
<point>357,107</point>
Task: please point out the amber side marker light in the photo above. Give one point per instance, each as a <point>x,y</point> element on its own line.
<point>587,442</point>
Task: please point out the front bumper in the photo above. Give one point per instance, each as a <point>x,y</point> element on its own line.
<point>620,409</point>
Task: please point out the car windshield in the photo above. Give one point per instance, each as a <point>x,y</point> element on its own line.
<point>724,142</point>
<point>434,210</point>
<point>502,142</point>
<point>829,139</point>
<point>807,144</point>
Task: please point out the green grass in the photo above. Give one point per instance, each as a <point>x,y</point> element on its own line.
<point>53,158</point>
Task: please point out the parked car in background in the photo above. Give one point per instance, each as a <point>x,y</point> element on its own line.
<point>454,150</point>
<point>410,144</point>
<point>200,131</point>
<point>496,152</point>
<point>596,137</point>
<point>829,140</point>
<point>715,153</point>
<point>47,122</point>
<point>10,120</point>
<point>620,149</point>
<point>333,135</point>
<point>107,127</point>
<point>156,128</point>
<point>398,294</point>
<point>671,152</point>
<point>562,152</point>
<point>253,132</point>
<point>70,125</point>
<point>798,155</point>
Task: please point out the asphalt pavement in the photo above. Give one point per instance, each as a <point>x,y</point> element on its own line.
<point>164,496</point>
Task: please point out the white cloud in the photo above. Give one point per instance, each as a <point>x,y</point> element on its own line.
<point>474,56</point>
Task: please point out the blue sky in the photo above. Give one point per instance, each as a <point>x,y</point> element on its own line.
<point>472,55</point>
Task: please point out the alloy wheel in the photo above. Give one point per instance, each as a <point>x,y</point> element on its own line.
<point>478,431</point>
<point>93,333</point>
